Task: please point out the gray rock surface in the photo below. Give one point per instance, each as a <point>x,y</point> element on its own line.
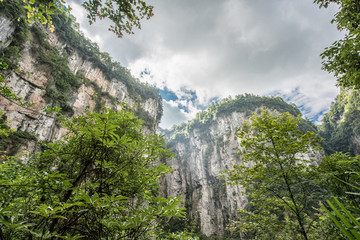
<point>201,158</point>
<point>32,80</point>
<point>6,29</point>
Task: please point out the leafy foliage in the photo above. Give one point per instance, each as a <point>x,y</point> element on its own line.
<point>340,173</point>
<point>99,182</point>
<point>40,11</point>
<point>10,140</point>
<point>123,13</point>
<point>274,172</point>
<point>343,58</point>
<point>350,228</point>
<point>342,124</point>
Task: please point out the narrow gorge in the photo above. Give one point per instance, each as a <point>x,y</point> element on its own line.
<point>66,70</point>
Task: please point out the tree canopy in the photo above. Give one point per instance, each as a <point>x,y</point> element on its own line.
<point>124,14</point>
<point>343,58</point>
<point>275,159</point>
<point>99,182</point>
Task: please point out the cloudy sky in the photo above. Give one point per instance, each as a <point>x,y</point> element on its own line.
<point>197,51</point>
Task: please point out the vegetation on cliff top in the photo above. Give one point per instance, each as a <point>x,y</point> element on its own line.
<point>90,51</point>
<point>246,104</point>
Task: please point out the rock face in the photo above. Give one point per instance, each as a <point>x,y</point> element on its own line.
<point>5,32</point>
<point>32,82</point>
<point>205,147</point>
<point>201,157</point>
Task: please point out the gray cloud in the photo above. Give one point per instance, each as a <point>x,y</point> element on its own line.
<point>172,115</point>
<point>228,47</point>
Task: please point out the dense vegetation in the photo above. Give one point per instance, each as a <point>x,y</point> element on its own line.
<point>99,182</point>
<point>342,57</point>
<point>286,186</point>
<point>124,14</point>
<point>341,125</point>
<point>277,175</point>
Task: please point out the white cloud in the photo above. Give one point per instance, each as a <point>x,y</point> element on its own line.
<point>229,47</point>
<point>173,115</point>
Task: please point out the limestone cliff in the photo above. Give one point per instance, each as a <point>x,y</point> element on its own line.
<point>197,167</point>
<point>207,145</point>
<point>52,72</point>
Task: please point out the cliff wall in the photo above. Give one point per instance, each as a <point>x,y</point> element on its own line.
<point>52,72</point>
<point>201,157</point>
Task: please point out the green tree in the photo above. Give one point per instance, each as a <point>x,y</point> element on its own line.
<point>99,182</point>
<point>123,13</point>
<point>343,58</point>
<point>276,159</point>
<point>341,173</point>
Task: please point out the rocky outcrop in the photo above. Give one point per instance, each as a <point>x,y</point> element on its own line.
<point>32,82</point>
<point>202,156</point>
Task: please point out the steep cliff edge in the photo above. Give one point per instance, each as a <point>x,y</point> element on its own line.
<point>64,69</point>
<point>207,145</point>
